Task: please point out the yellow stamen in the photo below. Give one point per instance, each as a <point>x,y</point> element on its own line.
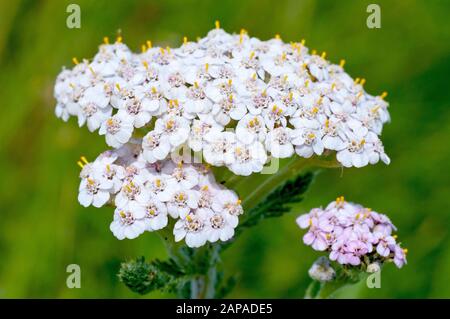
<point>277,36</point>
<point>405,251</point>
<point>383,95</point>
<point>105,40</point>
<point>340,200</point>
<point>143,48</point>
<point>238,202</point>
<point>252,55</point>
<point>170,124</point>
<point>80,164</point>
<point>75,60</point>
<point>189,218</point>
<point>196,84</point>
<point>324,55</point>
<point>84,159</point>
<point>363,81</point>
<point>357,80</point>
<point>217,24</point>
<point>149,44</point>
<point>119,39</point>
<point>302,42</point>
<point>342,63</point>
<point>145,64</point>
<point>206,67</point>
<point>118,86</point>
<point>154,90</point>
<point>158,182</point>
<point>314,52</point>
<point>375,109</point>
<point>185,40</point>
<point>333,86</point>
<point>306,82</point>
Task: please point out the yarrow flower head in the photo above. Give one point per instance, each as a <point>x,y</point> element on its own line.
<point>147,194</point>
<point>353,235</point>
<point>237,103</point>
<point>237,99</point>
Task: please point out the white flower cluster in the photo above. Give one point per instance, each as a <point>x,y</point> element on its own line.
<point>145,195</point>
<point>234,98</point>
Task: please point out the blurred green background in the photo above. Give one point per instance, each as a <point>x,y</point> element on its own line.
<point>43,228</point>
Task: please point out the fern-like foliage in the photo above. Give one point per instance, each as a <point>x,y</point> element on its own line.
<point>143,277</point>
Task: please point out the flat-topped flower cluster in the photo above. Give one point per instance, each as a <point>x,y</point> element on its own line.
<point>234,98</point>
<point>146,195</point>
<point>352,234</point>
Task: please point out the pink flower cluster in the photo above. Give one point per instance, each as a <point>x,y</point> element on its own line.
<point>352,234</point>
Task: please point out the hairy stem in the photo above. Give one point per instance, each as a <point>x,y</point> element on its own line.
<point>328,289</point>
<point>292,168</point>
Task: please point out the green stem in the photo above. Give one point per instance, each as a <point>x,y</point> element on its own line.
<point>203,282</point>
<point>211,275</point>
<point>328,289</point>
<point>173,248</point>
<point>312,290</point>
<point>197,285</point>
<point>291,169</point>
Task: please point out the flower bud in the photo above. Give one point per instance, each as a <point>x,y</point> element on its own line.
<point>373,267</point>
<point>321,270</point>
